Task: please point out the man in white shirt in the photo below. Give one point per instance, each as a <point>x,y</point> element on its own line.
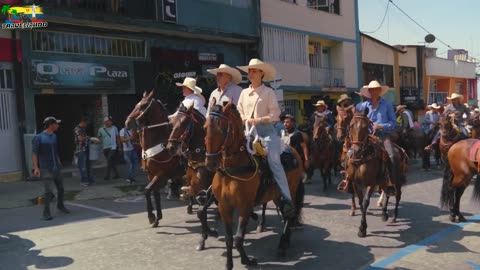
<point>227,80</point>
<point>193,96</point>
<point>109,136</point>
<point>129,154</point>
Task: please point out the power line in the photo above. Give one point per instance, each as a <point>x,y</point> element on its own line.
<point>381,23</point>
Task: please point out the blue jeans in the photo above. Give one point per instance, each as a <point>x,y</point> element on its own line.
<point>84,167</point>
<point>269,135</point>
<point>131,159</point>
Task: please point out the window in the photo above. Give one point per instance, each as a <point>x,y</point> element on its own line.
<point>315,54</point>
<point>330,6</point>
<point>382,73</point>
<point>407,77</point>
<point>290,1</point>
<point>71,43</point>
<point>6,79</point>
<point>284,46</point>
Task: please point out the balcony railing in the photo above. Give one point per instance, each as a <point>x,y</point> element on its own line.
<point>327,77</point>
<point>437,97</point>
<point>128,8</point>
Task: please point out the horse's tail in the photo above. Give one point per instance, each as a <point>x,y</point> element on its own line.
<point>299,198</point>
<point>476,189</point>
<point>446,198</point>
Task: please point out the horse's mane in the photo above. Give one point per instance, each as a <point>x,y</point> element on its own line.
<point>196,113</point>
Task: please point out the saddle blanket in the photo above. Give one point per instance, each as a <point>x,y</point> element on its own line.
<point>475,151</point>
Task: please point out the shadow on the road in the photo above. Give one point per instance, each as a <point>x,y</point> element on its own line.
<point>16,253</point>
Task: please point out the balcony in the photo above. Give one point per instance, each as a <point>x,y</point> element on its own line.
<point>124,8</point>
<point>327,77</point>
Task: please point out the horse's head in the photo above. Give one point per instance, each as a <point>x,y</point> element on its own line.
<point>344,117</point>
<point>359,130</point>
<point>185,124</point>
<point>320,126</point>
<point>147,112</point>
<point>447,123</point>
<point>224,132</point>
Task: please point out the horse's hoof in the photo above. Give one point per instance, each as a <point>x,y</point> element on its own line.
<point>384,217</point>
<point>379,204</point>
<point>362,234</point>
<point>155,224</point>
<point>260,228</point>
<point>452,218</point>
<point>189,210</point>
<point>200,247</point>
<point>394,220</point>
<point>352,214</point>
<point>151,218</point>
<point>462,219</point>
<point>213,233</point>
<point>250,262</point>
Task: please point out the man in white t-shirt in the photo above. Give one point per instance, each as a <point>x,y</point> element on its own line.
<point>109,136</point>
<point>129,154</point>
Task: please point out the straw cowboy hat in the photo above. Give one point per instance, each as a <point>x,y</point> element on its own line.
<point>455,96</point>
<point>400,107</point>
<point>343,97</point>
<point>373,84</point>
<point>435,106</point>
<point>191,84</point>
<point>236,75</point>
<point>268,69</point>
<point>321,103</point>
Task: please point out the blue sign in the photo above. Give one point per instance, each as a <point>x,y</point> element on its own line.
<point>60,74</point>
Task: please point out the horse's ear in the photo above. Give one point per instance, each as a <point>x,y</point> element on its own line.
<point>228,106</point>
<point>151,94</point>
<point>144,93</point>
<point>339,108</point>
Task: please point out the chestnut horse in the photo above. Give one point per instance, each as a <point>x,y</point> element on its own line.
<point>368,168</point>
<point>238,179</point>
<point>458,173</point>
<point>323,150</point>
<point>150,119</point>
<point>344,117</point>
<point>188,130</point>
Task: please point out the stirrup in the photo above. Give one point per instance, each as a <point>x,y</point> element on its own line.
<point>343,186</point>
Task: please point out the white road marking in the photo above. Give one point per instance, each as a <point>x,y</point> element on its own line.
<point>108,212</point>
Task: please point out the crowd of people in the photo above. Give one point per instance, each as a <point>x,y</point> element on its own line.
<point>257,106</point>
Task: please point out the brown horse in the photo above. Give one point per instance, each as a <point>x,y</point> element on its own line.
<point>237,182</point>
<point>323,150</point>
<point>450,134</point>
<point>188,130</point>
<point>368,168</point>
<point>344,117</point>
<point>461,167</point>
<point>475,131</point>
<point>150,119</point>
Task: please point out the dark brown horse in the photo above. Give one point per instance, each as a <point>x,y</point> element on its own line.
<point>368,168</point>
<point>344,117</point>
<point>188,130</point>
<point>150,119</point>
<point>461,167</point>
<point>238,179</point>
<point>323,150</point>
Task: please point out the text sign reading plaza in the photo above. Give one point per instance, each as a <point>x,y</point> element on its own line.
<point>25,17</point>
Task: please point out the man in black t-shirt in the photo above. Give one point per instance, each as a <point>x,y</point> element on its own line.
<point>294,138</point>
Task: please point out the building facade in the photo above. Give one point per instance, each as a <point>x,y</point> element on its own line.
<point>96,58</point>
<point>315,47</point>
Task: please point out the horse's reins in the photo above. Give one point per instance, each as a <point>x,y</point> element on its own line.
<point>187,134</point>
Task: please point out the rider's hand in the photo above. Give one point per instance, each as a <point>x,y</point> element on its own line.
<point>36,172</point>
<point>377,127</point>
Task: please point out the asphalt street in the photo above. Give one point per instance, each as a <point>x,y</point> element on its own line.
<point>114,234</point>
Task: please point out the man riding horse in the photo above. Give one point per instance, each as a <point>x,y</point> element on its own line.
<point>382,116</point>
<point>458,109</point>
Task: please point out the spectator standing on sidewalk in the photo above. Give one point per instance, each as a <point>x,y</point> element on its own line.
<point>109,136</point>
<point>47,165</point>
<point>129,154</point>
<point>82,152</point>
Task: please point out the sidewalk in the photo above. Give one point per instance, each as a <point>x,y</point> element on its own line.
<point>24,193</point>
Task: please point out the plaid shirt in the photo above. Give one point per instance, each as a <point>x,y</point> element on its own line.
<point>80,146</point>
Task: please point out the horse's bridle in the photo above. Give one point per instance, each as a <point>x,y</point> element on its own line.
<point>226,137</point>
<point>186,132</point>
<point>366,137</point>
<point>136,119</point>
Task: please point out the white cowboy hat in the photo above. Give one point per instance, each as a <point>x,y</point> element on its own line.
<point>373,84</point>
<point>236,75</point>
<point>321,103</point>
<point>268,69</point>
<point>343,97</point>
<point>399,107</point>
<point>435,106</point>
<point>455,96</point>
<point>191,84</point>
<point>476,110</point>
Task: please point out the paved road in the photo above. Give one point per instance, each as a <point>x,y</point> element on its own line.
<point>109,234</point>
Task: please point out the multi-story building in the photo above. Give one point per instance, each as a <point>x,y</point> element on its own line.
<point>95,58</point>
<point>315,46</point>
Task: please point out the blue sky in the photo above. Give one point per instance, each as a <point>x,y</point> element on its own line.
<point>455,22</point>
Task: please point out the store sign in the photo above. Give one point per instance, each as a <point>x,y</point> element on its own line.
<point>76,74</point>
<point>180,75</point>
<point>169,11</point>
<point>409,95</point>
<point>207,57</point>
